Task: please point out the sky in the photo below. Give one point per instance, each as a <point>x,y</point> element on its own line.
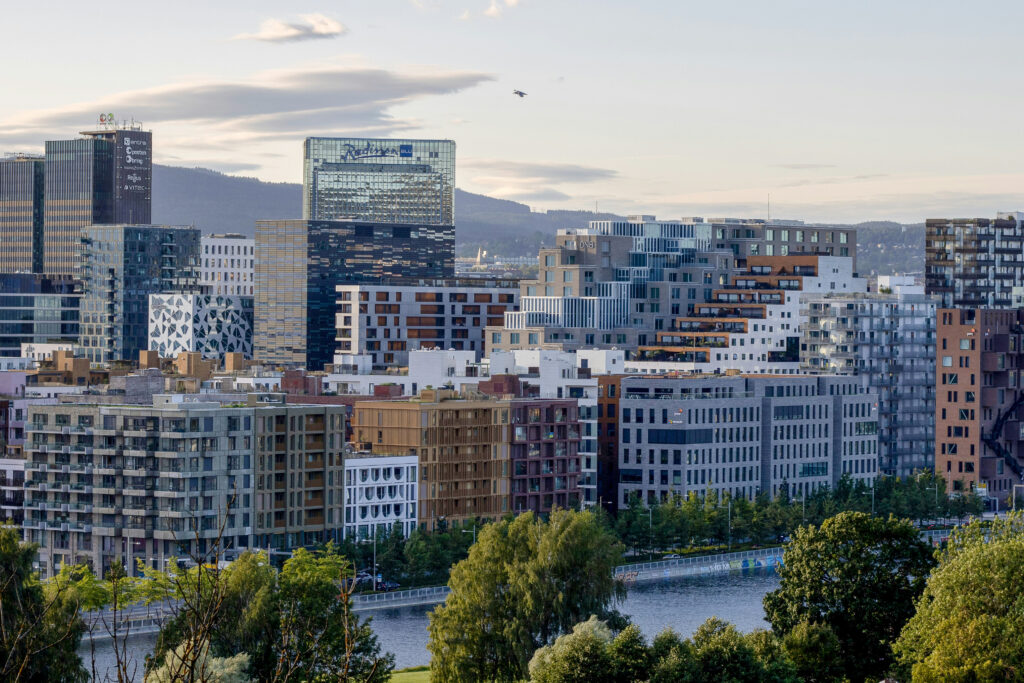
<point>823,111</point>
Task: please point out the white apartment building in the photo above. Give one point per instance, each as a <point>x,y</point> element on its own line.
<point>887,339</point>
<point>386,321</point>
<point>752,326</point>
<point>380,491</point>
<point>228,264</point>
<point>426,368</point>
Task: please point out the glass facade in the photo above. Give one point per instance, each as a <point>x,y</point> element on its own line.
<point>299,263</point>
<point>37,310</point>
<point>121,266</point>
<point>21,214</point>
<point>102,178</point>
<point>380,180</point>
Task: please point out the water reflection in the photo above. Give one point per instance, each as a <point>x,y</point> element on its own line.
<point>682,603</point>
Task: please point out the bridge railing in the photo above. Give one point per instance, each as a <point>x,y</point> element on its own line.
<point>760,553</point>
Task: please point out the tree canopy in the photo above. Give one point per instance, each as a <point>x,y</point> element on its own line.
<point>525,582</point>
<point>969,624</point>
<point>857,574</point>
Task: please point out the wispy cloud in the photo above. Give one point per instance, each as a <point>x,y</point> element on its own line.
<point>314,26</point>
<point>531,181</point>
<point>804,166</point>
<point>200,119</point>
<point>279,103</point>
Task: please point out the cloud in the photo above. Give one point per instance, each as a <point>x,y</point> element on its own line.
<point>495,8</point>
<point>530,181</point>
<point>540,172</point>
<point>316,26</point>
<point>541,195</point>
<point>275,104</point>
<point>804,166</point>
<point>464,16</point>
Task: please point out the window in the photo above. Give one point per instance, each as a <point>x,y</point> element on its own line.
<point>567,276</point>
<point>549,260</point>
<point>947,361</point>
<point>495,337</point>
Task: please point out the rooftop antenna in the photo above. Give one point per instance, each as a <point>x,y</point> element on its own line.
<point>769,206</point>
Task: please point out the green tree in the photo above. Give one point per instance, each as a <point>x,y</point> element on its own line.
<point>629,657</point>
<point>857,574</point>
<point>207,668</point>
<point>40,625</point>
<point>578,657</point>
<point>292,624</point>
<point>815,652</point>
<point>969,624</point>
<point>525,582</point>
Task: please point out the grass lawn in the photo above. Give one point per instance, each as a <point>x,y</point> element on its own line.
<point>418,674</point>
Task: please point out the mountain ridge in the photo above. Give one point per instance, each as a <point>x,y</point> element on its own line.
<point>217,202</point>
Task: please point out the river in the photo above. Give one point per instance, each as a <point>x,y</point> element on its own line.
<point>682,604</point>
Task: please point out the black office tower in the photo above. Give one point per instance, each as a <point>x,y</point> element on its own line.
<point>102,178</point>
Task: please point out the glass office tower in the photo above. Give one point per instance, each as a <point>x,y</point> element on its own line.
<point>299,263</point>
<point>21,214</point>
<point>35,309</point>
<point>104,177</point>
<point>121,266</point>
<point>379,180</point>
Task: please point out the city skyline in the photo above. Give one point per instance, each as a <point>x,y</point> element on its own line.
<point>839,114</point>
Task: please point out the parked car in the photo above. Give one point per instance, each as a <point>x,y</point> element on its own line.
<point>388,585</point>
<point>671,556</point>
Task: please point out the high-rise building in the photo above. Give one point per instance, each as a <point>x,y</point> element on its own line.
<point>36,309</point>
<point>976,262</point>
<point>388,320</point>
<point>755,237</point>
<point>228,264</point>
<point>979,440</point>
<point>104,177</point>
<point>299,264</point>
<point>887,339</point>
<point>379,180</point>
<point>121,266</point>
<point>743,435</point>
<point>22,182</point>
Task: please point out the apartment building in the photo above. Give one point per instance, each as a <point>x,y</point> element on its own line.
<point>479,458</point>
<point>114,485</point>
<point>111,484</point>
<point>617,283</point>
<point>227,264</point>
<point>380,492</point>
<point>979,442</point>
<point>976,262</point>
<point>299,473</point>
<point>887,339</point>
<point>752,325</point>
<point>387,320</point>
<point>743,435</point>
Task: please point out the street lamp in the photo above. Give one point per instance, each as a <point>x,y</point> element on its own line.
<point>473,531</point>
<point>872,499</point>
<point>936,489</point>
<point>730,523</point>
<point>650,532</point>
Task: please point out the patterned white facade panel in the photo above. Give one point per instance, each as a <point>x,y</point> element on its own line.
<point>211,324</point>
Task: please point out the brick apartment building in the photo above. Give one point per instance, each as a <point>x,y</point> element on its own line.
<point>979,399</point>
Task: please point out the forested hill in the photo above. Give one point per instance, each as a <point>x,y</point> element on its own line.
<point>215,202</point>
